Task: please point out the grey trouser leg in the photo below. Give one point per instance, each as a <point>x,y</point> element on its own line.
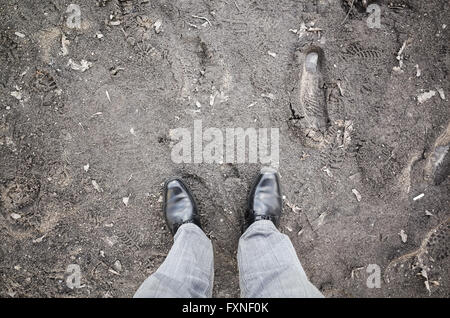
<point>187,271</point>
<point>269,266</point>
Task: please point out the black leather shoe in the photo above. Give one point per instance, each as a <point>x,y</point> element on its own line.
<point>179,205</point>
<point>265,202</point>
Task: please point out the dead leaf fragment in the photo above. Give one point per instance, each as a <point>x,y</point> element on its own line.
<point>357,194</point>
<point>64,44</point>
<point>269,96</point>
<point>39,239</point>
<point>441,93</point>
<point>17,95</point>
<point>422,98</point>
<point>403,236</point>
<point>96,186</point>
<point>82,67</point>
<point>157,25</point>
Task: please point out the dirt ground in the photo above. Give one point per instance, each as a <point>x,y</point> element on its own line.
<point>85,116</point>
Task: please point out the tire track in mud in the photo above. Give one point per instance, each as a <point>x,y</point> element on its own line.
<point>46,88</point>
<point>355,52</point>
<point>363,87</point>
<point>17,200</point>
<point>437,166</point>
<point>28,204</point>
<point>426,261</point>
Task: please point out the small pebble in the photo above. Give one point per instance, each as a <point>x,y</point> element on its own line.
<point>118,266</point>
<point>15,216</point>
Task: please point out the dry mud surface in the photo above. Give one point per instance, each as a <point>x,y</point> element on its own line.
<point>75,142</point>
